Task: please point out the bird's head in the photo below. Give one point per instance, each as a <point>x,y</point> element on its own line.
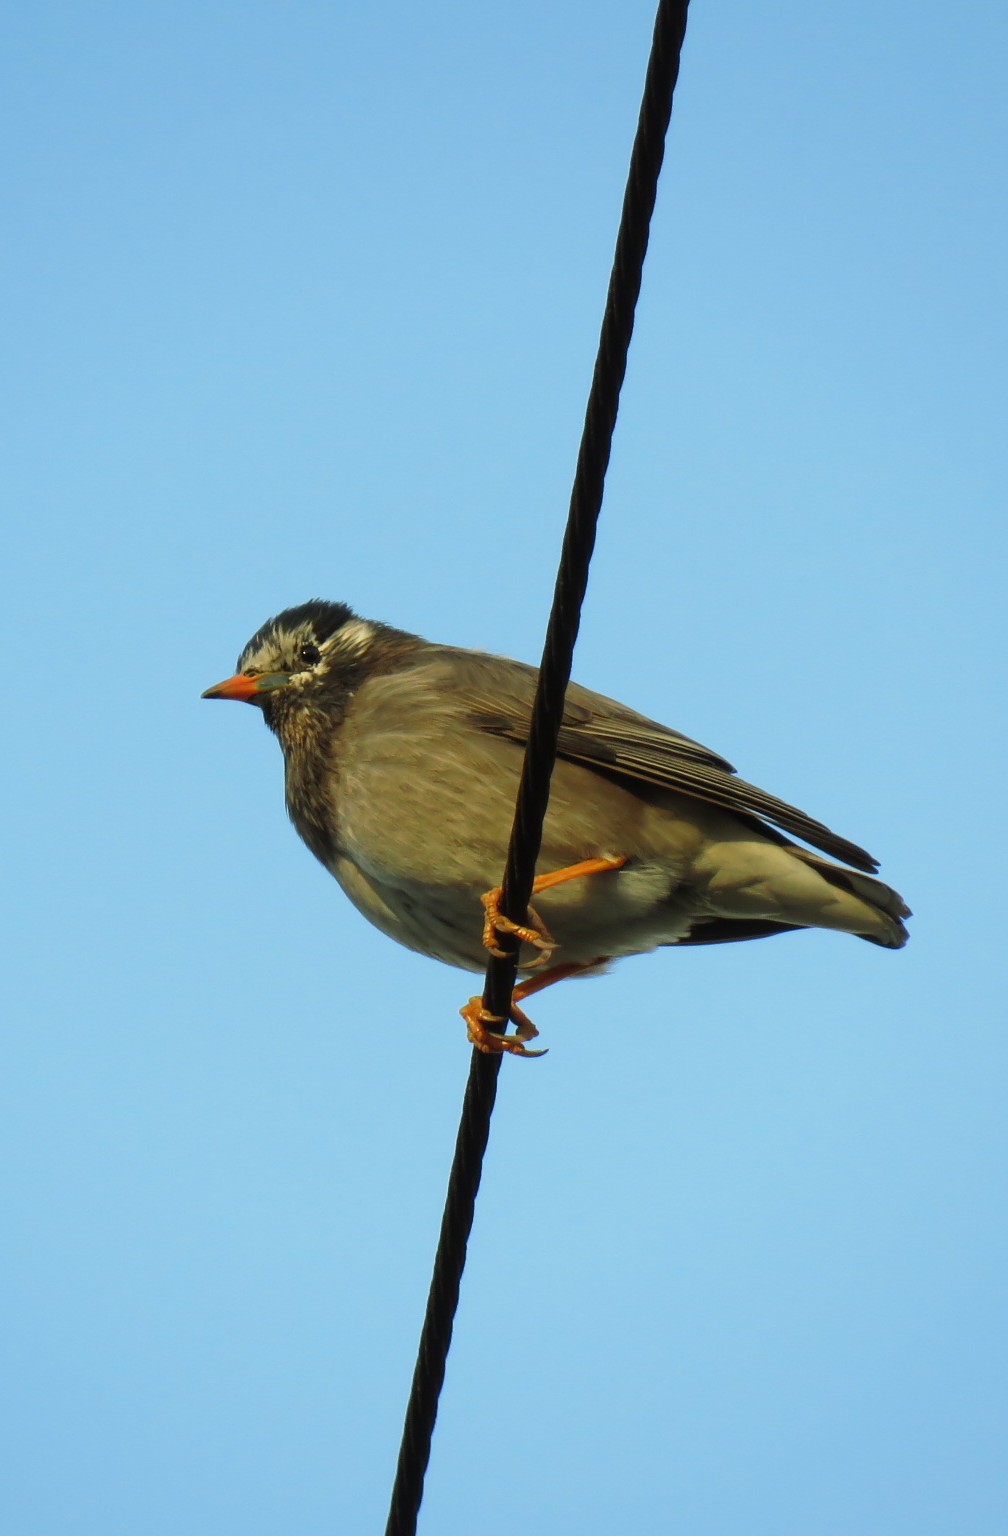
<point>306,659</point>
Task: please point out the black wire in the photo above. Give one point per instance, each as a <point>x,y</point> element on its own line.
<point>540,753</point>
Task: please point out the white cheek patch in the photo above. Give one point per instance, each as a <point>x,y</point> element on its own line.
<point>352,638</point>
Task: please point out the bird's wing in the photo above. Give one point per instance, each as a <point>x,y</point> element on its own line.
<point>616,741</point>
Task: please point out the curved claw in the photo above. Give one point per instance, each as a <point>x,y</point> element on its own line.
<point>534,932</point>
<point>490,1041</point>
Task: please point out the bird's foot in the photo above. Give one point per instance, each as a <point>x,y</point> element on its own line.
<point>533,932</point>
<point>490,1040</point>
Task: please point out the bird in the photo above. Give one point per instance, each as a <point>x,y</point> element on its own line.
<point>402,759</point>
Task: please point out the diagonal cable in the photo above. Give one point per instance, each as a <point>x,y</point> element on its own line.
<point>540,753</point>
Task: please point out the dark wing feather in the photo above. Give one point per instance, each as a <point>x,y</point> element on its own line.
<point>603,734</point>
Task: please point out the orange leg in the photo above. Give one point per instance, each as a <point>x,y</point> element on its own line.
<point>479,1019</point>
<point>535,931</point>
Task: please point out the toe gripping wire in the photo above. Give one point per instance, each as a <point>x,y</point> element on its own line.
<point>540,755</point>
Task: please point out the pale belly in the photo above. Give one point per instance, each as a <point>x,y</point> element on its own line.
<point>602,916</point>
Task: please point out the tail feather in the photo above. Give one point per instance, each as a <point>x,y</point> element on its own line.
<point>766,886</point>
<point>887,904</point>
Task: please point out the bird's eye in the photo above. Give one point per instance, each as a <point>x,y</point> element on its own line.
<point>309,654</point>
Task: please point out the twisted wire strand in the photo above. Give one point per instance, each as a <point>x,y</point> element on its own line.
<point>540,753</point>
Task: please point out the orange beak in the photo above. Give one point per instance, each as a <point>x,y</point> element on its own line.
<point>245,687</point>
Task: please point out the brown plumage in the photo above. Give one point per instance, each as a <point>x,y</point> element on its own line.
<point>402,762</point>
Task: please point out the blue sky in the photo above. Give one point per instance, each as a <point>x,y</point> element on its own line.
<point>303,300</point>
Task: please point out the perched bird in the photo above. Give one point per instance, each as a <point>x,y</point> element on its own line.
<point>402,761</point>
